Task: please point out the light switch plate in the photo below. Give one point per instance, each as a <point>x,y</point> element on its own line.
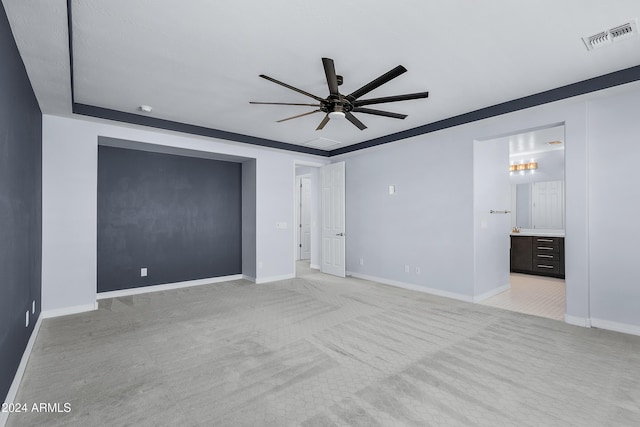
<point>392,190</point>
<point>143,272</point>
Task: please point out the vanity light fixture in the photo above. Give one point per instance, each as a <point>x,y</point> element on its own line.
<point>521,167</point>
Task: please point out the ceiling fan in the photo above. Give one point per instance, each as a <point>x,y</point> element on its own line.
<point>337,105</point>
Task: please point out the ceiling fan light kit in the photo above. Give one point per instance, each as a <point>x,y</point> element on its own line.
<point>339,106</point>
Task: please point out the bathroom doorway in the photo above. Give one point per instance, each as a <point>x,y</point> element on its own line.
<point>537,213</point>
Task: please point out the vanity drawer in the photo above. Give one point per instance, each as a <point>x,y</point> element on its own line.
<point>541,256</point>
<point>546,266</point>
<point>546,245</point>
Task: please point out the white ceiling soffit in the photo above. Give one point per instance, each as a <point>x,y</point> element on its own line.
<point>537,141</point>
<point>198,62</point>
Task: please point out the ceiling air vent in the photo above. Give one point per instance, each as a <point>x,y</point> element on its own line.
<point>605,38</point>
<point>321,143</point>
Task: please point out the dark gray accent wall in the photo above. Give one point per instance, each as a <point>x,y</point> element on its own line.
<point>179,217</point>
<point>20,206</point>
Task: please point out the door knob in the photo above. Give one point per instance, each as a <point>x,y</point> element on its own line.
<point>340,234</point>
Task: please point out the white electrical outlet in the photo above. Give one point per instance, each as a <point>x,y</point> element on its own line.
<point>26,319</point>
<point>361,261</point>
<point>33,307</point>
<point>143,272</point>
<point>406,268</point>
<point>417,270</point>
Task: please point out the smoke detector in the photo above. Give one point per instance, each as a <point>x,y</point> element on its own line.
<point>614,34</point>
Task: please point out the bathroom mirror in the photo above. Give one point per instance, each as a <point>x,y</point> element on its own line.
<point>538,205</point>
<point>536,174</point>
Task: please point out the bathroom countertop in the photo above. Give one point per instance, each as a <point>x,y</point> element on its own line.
<point>541,233</point>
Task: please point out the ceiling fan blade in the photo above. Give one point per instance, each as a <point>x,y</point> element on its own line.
<point>389,75</point>
<point>332,78</point>
<point>355,121</point>
<point>379,113</point>
<point>271,79</point>
<point>299,115</point>
<point>395,98</point>
<point>283,103</point>
<point>323,122</point>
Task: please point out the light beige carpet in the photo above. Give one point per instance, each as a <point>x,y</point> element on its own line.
<point>322,351</point>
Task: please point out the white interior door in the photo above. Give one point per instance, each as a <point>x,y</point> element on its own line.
<point>547,202</point>
<point>492,217</point>
<point>333,220</point>
<point>305,218</point>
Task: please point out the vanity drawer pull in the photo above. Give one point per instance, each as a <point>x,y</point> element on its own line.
<point>545,248</point>
<point>546,240</point>
<point>545,266</point>
<point>545,256</point>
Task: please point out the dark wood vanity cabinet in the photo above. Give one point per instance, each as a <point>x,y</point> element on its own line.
<point>521,253</point>
<point>538,255</point>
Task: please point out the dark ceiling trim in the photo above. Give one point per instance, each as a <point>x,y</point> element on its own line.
<point>70,35</point>
<point>137,119</point>
<point>605,81</point>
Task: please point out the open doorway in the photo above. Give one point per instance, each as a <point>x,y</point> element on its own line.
<point>303,217</point>
<point>537,214</point>
<point>306,219</point>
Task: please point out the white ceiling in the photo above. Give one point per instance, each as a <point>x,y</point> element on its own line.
<point>536,142</point>
<point>198,61</point>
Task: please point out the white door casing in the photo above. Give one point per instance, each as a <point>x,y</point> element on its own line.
<point>333,219</point>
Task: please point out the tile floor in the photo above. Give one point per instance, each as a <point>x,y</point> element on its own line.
<point>535,295</point>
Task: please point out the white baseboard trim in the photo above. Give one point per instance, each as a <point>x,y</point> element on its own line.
<point>314,266</point>
<point>492,292</point>
<point>17,379</point>
<point>412,287</point>
<point>585,322</point>
<point>625,328</point>
<point>249,278</point>
<point>69,310</point>
<point>260,280</point>
<point>167,286</point>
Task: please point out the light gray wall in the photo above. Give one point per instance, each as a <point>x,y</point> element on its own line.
<point>523,206</point>
<point>69,215</point>
<point>550,167</point>
<point>614,208</point>
<point>70,147</point>
<point>426,224</point>
<point>249,218</point>
<point>430,222</point>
